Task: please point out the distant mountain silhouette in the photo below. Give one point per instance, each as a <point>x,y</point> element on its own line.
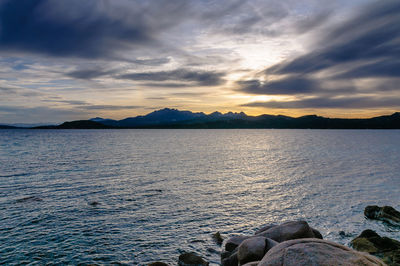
<point>168,117</point>
<point>173,118</point>
<point>79,124</point>
<point>7,127</point>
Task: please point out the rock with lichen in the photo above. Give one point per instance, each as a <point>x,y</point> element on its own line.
<point>384,247</point>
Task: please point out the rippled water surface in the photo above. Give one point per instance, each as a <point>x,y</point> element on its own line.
<point>137,196</point>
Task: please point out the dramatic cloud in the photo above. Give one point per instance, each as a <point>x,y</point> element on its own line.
<point>373,35</point>
<point>291,86</point>
<point>88,29</point>
<point>200,78</point>
<point>360,51</point>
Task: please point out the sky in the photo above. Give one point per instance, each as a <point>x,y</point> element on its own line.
<point>63,60</point>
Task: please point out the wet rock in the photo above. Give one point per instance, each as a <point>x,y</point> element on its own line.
<point>384,247</point>
<point>364,245</point>
<point>226,254</point>
<point>157,263</point>
<point>29,199</point>
<point>218,238</point>
<point>316,233</point>
<point>234,241</point>
<point>264,228</point>
<point>315,252</point>
<point>254,249</point>
<point>191,259</point>
<point>386,213</point>
<point>231,260</point>
<point>289,230</point>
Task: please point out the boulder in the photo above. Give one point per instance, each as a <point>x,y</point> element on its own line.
<point>231,260</point>
<point>191,259</point>
<point>254,249</point>
<point>386,214</point>
<point>315,252</point>
<point>225,254</point>
<point>316,233</point>
<point>264,228</point>
<point>234,241</point>
<point>384,247</point>
<point>289,230</point>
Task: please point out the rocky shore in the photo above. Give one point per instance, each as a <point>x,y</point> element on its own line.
<point>297,243</point>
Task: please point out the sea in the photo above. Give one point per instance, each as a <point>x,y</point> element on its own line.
<point>135,196</point>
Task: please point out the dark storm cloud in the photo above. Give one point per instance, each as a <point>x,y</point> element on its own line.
<point>286,86</point>
<point>88,29</point>
<point>330,103</point>
<point>199,78</point>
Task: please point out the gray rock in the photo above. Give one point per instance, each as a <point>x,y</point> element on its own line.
<point>231,261</point>
<point>316,233</point>
<point>315,252</point>
<point>254,249</point>
<point>289,230</point>
<point>225,254</point>
<point>264,228</point>
<point>191,259</point>
<point>387,214</point>
<point>234,241</point>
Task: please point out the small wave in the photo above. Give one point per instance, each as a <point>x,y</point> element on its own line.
<point>15,175</point>
<point>29,199</point>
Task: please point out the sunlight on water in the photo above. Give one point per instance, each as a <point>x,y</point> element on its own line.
<point>137,196</point>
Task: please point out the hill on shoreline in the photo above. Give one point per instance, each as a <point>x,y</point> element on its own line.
<point>173,118</point>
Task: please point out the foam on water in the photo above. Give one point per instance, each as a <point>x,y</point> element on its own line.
<point>137,196</point>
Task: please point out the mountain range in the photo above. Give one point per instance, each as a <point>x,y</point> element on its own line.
<point>173,118</point>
